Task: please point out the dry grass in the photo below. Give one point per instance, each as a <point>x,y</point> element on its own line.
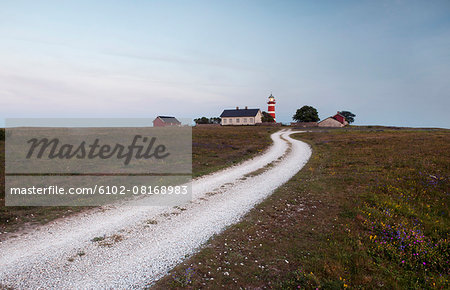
<point>317,231</point>
<point>214,148</point>
<point>107,241</point>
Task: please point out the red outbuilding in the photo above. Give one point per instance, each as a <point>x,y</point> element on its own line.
<point>164,121</point>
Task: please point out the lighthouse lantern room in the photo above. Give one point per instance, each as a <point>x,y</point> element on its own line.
<point>271,106</point>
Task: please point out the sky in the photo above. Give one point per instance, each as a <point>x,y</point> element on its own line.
<point>388,62</point>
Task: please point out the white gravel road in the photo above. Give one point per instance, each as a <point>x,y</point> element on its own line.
<point>61,254</point>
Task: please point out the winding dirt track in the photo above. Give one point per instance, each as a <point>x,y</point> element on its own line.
<point>138,252</point>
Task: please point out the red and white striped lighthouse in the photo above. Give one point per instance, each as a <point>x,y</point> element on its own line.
<point>271,107</point>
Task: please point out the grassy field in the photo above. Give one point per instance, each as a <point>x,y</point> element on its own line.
<point>213,148</point>
<point>369,210</point>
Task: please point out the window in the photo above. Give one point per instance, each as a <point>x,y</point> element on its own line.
<point>251,120</point>
<point>237,120</point>
<point>245,120</point>
<point>224,121</point>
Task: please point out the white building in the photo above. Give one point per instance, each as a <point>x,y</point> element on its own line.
<point>241,117</point>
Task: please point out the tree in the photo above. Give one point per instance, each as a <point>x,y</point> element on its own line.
<point>215,120</point>
<point>202,120</point>
<point>306,114</point>
<point>349,116</point>
<point>266,117</point>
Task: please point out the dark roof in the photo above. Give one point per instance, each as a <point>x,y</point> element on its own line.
<point>240,113</point>
<point>168,119</point>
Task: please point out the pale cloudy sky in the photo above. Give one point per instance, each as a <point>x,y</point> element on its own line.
<point>386,61</point>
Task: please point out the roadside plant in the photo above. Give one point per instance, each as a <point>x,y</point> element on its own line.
<point>184,279</point>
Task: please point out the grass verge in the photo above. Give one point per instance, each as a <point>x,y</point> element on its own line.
<point>215,148</point>
<point>369,210</point>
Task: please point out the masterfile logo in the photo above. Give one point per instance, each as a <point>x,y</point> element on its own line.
<point>93,165</point>
<point>53,149</point>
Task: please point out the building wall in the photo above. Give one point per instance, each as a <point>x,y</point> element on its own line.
<point>237,121</point>
<point>258,117</point>
<point>271,110</point>
<point>330,122</point>
<point>158,123</point>
<point>339,118</point>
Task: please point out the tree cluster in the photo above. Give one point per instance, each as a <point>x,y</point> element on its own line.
<point>309,114</point>
<point>349,116</point>
<point>204,120</point>
<point>267,118</point>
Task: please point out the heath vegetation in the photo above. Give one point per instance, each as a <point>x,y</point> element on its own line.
<point>370,209</point>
